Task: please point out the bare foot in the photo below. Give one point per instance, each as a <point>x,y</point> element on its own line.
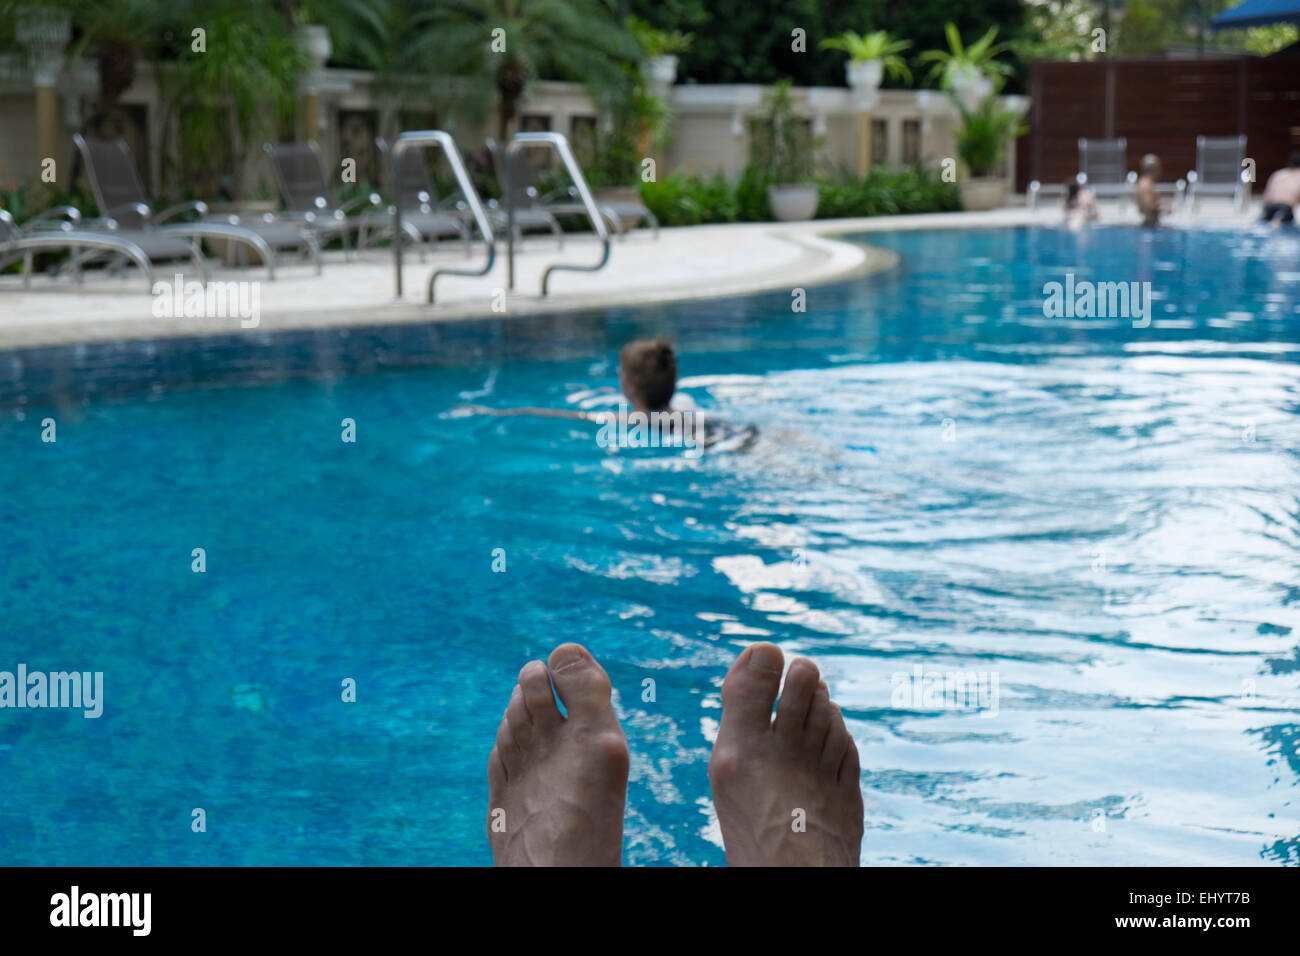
<point>786,792</point>
<point>558,785</point>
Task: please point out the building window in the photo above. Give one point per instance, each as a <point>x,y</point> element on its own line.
<point>879,141</point>
<point>911,142</point>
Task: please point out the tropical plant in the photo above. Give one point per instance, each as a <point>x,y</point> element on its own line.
<point>656,42</point>
<point>116,35</point>
<point>636,123</point>
<point>985,134</point>
<point>878,45</point>
<point>509,43</point>
<point>780,149</point>
<point>961,64</point>
<point>226,99</point>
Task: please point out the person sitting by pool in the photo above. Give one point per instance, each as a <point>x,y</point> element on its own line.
<point>1144,193</point>
<point>787,791</point>
<point>1079,205</point>
<point>1282,193</point>
<point>647,377</point>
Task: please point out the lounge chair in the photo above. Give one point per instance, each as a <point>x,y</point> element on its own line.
<point>1219,170</point>
<point>308,198</point>
<point>424,216</point>
<point>125,213</point>
<point>623,213</point>
<point>1103,168</point>
<point>531,212</point>
<point>48,233</point>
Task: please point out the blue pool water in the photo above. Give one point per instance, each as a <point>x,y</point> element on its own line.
<point>1105,517</point>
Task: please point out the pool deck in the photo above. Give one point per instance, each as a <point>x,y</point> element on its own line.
<point>683,263</point>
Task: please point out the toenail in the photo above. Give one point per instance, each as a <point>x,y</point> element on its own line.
<point>765,657</point>
<point>566,656</point>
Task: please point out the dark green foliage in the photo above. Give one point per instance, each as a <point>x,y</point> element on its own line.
<point>683,199</point>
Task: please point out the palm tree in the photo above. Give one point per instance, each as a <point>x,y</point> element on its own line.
<point>115,34</point>
<point>512,42</point>
<point>878,45</point>
<point>961,64</point>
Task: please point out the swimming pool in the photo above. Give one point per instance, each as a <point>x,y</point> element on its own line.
<point>1104,517</point>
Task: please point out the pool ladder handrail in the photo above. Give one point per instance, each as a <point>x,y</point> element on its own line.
<point>440,138</point>
<point>561,145</point>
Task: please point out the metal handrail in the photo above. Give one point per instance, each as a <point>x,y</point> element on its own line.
<point>561,145</point>
<point>436,137</point>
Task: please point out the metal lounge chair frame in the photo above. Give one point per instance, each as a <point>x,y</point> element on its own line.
<point>530,211</point>
<point>1102,167</point>
<point>123,209</point>
<point>308,199</point>
<point>424,216</point>
<point>46,232</point>
<point>1219,170</point>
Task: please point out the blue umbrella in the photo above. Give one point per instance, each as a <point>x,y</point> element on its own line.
<point>1258,13</point>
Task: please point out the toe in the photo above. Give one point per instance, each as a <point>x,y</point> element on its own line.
<point>506,749</point>
<point>837,741</point>
<point>582,684</point>
<point>819,720</point>
<point>521,724</point>
<point>850,769</point>
<point>796,699</point>
<point>538,696</point>
<point>497,775</point>
<point>749,690</point>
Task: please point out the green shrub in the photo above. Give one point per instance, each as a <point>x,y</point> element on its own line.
<point>685,199</point>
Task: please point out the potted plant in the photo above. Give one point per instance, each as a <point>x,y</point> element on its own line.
<point>982,142</point>
<point>973,75</point>
<point>871,56</point>
<point>782,156</point>
<point>661,48</point>
<point>969,73</point>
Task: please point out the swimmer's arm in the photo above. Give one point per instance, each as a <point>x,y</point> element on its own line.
<point>570,413</point>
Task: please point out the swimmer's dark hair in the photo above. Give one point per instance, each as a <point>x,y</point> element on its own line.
<point>649,372</point>
<point>1072,193</point>
<point>1295,157</point>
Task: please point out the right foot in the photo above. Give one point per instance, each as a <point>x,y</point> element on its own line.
<point>786,792</point>
<point>558,785</point>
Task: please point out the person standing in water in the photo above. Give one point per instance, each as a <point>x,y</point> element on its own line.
<point>1144,193</point>
<point>1282,194</point>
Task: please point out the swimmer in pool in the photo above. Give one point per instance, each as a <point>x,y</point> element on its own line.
<point>787,791</point>
<point>647,377</point>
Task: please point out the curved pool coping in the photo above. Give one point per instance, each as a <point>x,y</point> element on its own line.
<point>686,263</point>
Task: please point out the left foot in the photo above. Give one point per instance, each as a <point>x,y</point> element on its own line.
<point>558,785</point>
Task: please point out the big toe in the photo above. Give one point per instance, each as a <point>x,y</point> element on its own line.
<point>750,688</point>
<point>581,683</point>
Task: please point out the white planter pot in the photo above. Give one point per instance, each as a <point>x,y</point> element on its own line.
<point>660,71</point>
<point>864,78</point>
<point>971,88</point>
<point>314,40</point>
<point>793,202</point>
<point>983,193</point>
